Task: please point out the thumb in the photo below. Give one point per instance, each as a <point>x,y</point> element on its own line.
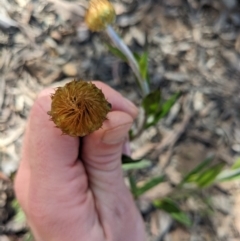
<point>102,150</point>
<point>101,155</point>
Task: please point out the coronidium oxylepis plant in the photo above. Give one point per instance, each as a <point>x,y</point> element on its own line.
<point>79,108</point>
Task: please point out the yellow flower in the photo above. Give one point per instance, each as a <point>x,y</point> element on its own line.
<point>79,108</point>
<point>100,14</point>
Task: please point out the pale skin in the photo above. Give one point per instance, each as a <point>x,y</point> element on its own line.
<point>72,191</point>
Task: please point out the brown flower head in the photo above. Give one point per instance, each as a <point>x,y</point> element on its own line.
<point>79,108</point>
<point>100,14</point>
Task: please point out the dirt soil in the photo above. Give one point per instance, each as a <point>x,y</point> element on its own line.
<point>193,46</point>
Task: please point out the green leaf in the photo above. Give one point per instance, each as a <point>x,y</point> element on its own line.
<point>136,166</point>
<point>207,177</point>
<point>149,185</point>
<point>182,218</point>
<point>143,65</point>
<point>228,175</point>
<point>117,52</point>
<point>191,176</point>
<point>161,111</point>
<point>142,61</point>
<point>28,237</point>
<point>133,185</point>
<point>167,205</point>
<point>137,56</point>
<point>19,216</point>
<point>172,208</point>
<point>167,105</point>
<point>152,103</point>
<point>236,164</point>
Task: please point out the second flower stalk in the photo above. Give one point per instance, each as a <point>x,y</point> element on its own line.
<point>99,16</point>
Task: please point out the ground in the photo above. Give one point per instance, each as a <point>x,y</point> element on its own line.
<point>194,48</point>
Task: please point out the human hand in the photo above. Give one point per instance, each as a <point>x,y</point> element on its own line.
<point>72,190</point>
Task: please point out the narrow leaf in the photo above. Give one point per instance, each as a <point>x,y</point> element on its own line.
<point>167,105</point>
<point>137,56</point>
<point>174,211</point>
<point>19,216</point>
<point>228,175</point>
<point>28,236</point>
<point>149,185</point>
<point>162,111</point>
<point>133,185</point>
<point>236,164</point>
<point>182,218</point>
<point>208,177</point>
<point>152,102</point>
<point>117,52</point>
<point>192,174</point>
<point>143,65</point>
<point>136,166</point>
<point>167,205</point>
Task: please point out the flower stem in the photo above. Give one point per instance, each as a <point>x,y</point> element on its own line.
<point>131,60</point>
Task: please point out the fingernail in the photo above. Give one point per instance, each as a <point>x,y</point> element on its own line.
<point>132,107</point>
<point>116,135</point>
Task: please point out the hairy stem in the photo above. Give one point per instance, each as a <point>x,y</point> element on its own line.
<point>131,60</point>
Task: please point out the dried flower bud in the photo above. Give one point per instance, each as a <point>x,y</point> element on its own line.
<point>100,14</point>
<point>79,108</point>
